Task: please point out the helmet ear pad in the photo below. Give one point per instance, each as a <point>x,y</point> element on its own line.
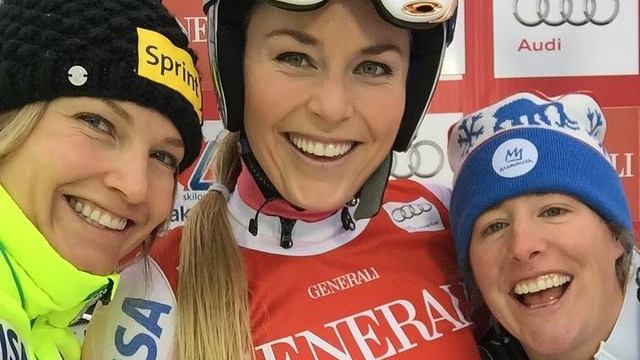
<point>427,50</point>
<point>370,194</point>
<point>226,51</point>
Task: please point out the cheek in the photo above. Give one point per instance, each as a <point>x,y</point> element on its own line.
<point>383,110</point>
<point>483,264</point>
<point>262,111</point>
<point>595,246</point>
<point>264,107</point>
<point>64,156</point>
<point>606,257</point>
<point>266,112</point>
<point>161,198</point>
<point>76,157</point>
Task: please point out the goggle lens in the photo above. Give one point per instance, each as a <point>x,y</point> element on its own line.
<point>405,11</point>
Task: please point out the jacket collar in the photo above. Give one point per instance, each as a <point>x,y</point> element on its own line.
<point>623,342</point>
<point>309,237</point>
<point>50,287</point>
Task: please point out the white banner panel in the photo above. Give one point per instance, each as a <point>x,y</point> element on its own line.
<point>454,66</point>
<point>549,38</point>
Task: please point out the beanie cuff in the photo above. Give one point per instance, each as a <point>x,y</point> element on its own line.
<point>524,161</point>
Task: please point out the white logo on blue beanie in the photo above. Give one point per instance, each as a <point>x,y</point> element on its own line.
<point>514,158</point>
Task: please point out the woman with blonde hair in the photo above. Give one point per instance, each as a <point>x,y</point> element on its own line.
<point>92,137</point>
<point>302,250</point>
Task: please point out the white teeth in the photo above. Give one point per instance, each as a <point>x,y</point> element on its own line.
<point>86,211</point>
<point>320,149</point>
<point>96,215</point>
<point>540,283</point>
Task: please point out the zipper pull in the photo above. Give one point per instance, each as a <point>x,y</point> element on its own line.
<point>285,233</point>
<point>347,220</point>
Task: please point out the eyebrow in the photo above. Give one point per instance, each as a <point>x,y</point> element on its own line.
<point>120,111</point>
<point>299,36</point>
<point>380,48</point>
<point>307,39</point>
<point>175,142</point>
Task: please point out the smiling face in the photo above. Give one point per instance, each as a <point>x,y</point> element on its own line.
<point>545,265</point>
<point>95,177</point>
<point>324,96</point>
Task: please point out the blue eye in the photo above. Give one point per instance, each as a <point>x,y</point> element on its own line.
<point>295,59</point>
<point>373,69</point>
<point>97,122</point>
<point>165,158</point>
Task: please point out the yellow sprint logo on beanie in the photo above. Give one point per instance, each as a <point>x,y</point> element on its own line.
<point>161,61</point>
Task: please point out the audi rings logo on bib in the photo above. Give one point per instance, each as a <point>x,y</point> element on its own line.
<point>417,216</point>
<point>558,12</point>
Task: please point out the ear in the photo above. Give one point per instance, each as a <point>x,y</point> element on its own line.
<point>618,247</point>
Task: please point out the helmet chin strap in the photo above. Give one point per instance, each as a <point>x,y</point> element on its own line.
<point>371,192</point>
<point>264,184</point>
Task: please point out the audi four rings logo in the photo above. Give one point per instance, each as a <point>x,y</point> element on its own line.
<point>574,12</point>
<point>417,159</point>
<point>409,211</point>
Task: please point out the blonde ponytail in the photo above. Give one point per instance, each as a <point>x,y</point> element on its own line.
<point>213,305</point>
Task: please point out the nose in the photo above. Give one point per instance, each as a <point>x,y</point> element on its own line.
<point>331,101</point>
<point>527,242</point>
<point>129,177</point>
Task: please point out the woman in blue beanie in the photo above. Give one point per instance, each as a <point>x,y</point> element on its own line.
<point>541,223</point>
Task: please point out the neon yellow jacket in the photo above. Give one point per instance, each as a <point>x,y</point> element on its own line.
<point>41,293</point>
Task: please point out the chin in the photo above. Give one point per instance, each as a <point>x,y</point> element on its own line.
<point>551,351</point>
<point>100,271</point>
<point>96,266</point>
<point>316,204</point>
<point>550,343</point>
<point>319,198</point>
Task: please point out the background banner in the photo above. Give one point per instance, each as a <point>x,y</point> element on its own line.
<point>500,47</point>
<point>552,38</point>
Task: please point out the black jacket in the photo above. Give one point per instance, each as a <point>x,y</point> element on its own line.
<point>497,344</point>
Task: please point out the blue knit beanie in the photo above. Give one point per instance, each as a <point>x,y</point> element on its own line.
<point>526,144</point>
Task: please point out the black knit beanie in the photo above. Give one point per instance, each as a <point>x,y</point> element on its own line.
<point>129,50</point>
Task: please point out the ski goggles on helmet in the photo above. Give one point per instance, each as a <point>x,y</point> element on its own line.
<point>412,14</point>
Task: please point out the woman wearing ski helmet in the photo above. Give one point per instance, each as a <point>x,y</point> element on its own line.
<point>302,250</point>
<point>318,93</point>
